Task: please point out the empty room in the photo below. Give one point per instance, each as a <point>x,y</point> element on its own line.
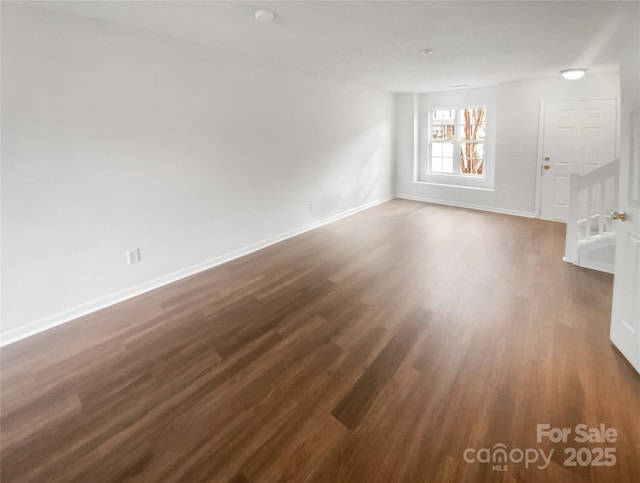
<point>324,241</point>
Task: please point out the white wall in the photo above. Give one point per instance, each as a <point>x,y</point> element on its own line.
<point>517,125</point>
<point>116,138</point>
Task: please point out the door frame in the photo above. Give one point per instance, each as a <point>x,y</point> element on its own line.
<point>540,153</point>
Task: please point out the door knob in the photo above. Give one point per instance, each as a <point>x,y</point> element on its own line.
<point>618,215</point>
<point>546,166</point>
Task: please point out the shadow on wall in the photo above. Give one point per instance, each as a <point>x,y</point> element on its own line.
<point>363,181</point>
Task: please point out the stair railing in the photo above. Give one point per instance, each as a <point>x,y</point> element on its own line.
<point>597,188</point>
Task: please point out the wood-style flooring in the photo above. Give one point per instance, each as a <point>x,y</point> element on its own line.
<point>374,349</point>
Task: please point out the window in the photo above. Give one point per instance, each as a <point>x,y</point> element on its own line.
<point>456,141</point>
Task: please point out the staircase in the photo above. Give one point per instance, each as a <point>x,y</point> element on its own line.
<point>590,240</point>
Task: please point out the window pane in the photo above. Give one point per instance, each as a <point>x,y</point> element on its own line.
<point>471,158</point>
<point>442,165</point>
<point>441,157</point>
<point>472,124</point>
<point>443,124</point>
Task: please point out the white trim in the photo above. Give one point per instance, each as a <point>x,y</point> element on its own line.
<point>455,186</point>
<point>540,155</point>
<point>73,313</point>
<point>416,137</point>
<point>599,266</point>
<point>504,211</point>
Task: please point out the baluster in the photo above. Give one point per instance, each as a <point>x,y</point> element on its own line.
<point>571,236</point>
<point>587,229</point>
<point>613,195</point>
<point>602,206</point>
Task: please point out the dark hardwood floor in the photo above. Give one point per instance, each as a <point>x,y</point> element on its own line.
<point>377,348</point>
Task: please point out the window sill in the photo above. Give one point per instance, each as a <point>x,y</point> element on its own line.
<point>456,181</point>
<point>449,185</point>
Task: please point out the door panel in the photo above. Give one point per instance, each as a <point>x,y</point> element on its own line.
<point>593,141</point>
<point>561,195</point>
<point>625,314</point>
<point>578,136</point>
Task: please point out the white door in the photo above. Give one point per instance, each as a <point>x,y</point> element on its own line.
<point>625,314</point>
<point>577,137</point>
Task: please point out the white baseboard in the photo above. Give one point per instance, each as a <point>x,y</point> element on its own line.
<point>504,211</point>
<point>551,219</point>
<point>72,313</point>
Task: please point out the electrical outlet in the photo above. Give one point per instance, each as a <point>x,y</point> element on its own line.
<point>310,207</point>
<point>133,256</point>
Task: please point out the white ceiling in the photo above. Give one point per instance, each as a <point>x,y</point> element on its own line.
<point>377,43</point>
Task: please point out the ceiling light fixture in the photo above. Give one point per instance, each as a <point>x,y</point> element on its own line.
<point>427,51</point>
<point>573,74</point>
<point>264,16</point>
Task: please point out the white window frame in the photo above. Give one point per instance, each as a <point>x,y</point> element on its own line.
<point>422,173</point>
<point>457,141</point>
